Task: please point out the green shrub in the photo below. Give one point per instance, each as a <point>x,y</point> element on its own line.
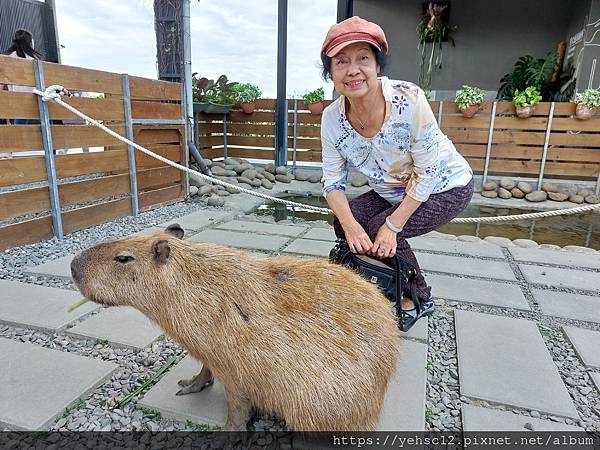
<point>246,92</point>
<point>220,91</point>
<point>469,95</point>
<point>589,98</point>
<point>529,97</point>
<point>318,95</point>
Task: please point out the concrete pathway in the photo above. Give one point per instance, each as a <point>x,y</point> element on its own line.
<point>500,359</point>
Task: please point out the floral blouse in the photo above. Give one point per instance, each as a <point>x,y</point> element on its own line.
<point>408,156</point>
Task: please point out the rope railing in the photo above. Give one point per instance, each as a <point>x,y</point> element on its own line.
<point>54,93</point>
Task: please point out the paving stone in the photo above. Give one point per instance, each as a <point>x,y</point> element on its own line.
<point>40,307</point>
<point>596,380</point>
<point>205,407</point>
<point>60,267</point>
<point>404,403</point>
<point>260,227</point>
<point>572,306</point>
<point>309,247</point>
<point>587,345</point>
<point>242,240</point>
<point>476,418</point>
<point>419,330</point>
<point>568,278</point>
<point>37,384</point>
<point>121,325</point>
<point>501,359</point>
<point>558,257</point>
<point>477,291</point>
<point>466,266</point>
<point>321,234</point>
<point>455,246</point>
<point>199,219</point>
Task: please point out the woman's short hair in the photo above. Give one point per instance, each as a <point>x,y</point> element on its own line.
<point>380,57</point>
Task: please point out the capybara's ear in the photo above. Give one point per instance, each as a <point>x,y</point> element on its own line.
<point>162,251</point>
<point>176,230</point>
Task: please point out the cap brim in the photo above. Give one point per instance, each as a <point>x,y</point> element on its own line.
<point>337,48</point>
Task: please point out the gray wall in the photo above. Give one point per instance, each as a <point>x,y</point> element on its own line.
<point>491,35</point>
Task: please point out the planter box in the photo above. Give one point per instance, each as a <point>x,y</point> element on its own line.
<point>212,108</point>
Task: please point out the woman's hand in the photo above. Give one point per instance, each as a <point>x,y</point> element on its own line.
<point>385,243</point>
<point>358,240</point>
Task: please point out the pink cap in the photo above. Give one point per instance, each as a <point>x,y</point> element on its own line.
<point>350,31</point>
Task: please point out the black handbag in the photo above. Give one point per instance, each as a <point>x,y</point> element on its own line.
<point>393,275</point>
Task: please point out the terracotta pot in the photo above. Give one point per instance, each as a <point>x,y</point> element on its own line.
<point>582,112</point>
<point>315,108</point>
<point>524,111</point>
<point>247,107</point>
<point>470,111</point>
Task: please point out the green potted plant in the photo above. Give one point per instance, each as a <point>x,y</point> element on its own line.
<point>246,94</point>
<point>587,102</point>
<point>314,100</point>
<point>526,100</point>
<point>216,97</point>
<point>469,100</point>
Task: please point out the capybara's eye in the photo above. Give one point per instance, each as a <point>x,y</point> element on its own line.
<point>124,258</point>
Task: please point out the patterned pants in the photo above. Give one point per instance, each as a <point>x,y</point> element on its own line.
<point>370,210</point>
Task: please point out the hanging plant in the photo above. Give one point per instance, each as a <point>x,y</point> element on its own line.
<point>432,31</point>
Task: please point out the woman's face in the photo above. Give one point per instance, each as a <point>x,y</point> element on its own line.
<point>354,70</point>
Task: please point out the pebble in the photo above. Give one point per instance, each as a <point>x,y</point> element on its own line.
<point>489,186</point>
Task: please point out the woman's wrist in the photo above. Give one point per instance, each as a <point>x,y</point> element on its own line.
<point>393,227</point>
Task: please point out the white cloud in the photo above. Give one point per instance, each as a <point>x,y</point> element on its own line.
<point>234,37</point>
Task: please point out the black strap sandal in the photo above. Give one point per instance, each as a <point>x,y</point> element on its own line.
<point>408,317</point>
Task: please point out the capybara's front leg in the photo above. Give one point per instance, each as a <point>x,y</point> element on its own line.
<point>203,380</point>
<point>238,411</point>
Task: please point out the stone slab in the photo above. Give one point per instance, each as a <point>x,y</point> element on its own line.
<point>205,407</point>
<point>199,219</point>
<point>484,292</point>
<point>566,278</point>
<point>558,257</point>
<point>571,306</point>
<point>587,345</point>
<point>466,266</point>
<point>321,234</point>
<point>596,380</point>
<point>262,227</point>
<point>404,403</point>
<point>37,384</point>
<point>242,240</point>
<point>121,325</point>
<point>40,307</point>
<point>309,247</point>
<point>501,359</point>
<point>476,418</point>
<point>456,246</point>
<point>60,267</point>
<point>149,230</point>
<point>419,330</point>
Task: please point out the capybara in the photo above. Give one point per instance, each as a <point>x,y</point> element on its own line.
<point>304,339</point>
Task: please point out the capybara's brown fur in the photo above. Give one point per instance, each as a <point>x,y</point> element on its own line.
<point>302,338</point>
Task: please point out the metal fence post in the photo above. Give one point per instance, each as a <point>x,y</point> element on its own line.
<point>548,129</point>
<point>440,113</point>
<point>224,136</point>
<point>135,209</point>
<point>295,134</point>
<point>488,150</point>
<point>48,151</point>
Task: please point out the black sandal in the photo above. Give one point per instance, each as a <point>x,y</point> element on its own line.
<point>408,317</point>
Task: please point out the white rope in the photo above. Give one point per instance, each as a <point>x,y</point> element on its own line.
<point>54,92</point>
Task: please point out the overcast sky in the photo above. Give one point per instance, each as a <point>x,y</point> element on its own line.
<point>233,37</point>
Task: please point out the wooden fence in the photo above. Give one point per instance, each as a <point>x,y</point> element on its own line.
<point>516,146</point>
<point>102,190</point>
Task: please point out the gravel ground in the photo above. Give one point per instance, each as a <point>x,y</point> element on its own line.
<point>443,397</point>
